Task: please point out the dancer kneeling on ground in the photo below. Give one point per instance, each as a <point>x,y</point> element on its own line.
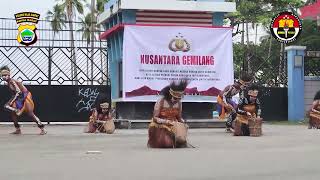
<point>167,128</point>
<point>248,121</point>
<point>20,103</point>
<point>101,120</point>
<point>225,104</point>
<point>314,113</point>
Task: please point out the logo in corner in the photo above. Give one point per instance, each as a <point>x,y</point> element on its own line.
<point>27,27</point>
<point>179,44</point>
<point>286,27</point>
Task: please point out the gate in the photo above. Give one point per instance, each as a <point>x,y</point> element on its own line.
<point>54,67</point>
<point>52,60</point>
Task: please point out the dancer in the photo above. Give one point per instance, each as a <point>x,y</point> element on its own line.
<point>166,114</point>
<point>249,109</point>
<point>225,104</point>
<point>20,103</point>
<point>101,120</point>
<point>314,113</point>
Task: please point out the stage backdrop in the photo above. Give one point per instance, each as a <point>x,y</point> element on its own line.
<point>153,56</point>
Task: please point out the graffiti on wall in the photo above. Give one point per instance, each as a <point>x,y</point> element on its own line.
<point>88,97</point>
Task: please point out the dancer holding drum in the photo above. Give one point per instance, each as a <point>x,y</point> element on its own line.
<point>101,120</point>
<point>225,104</point>
<point>248,121</point>
<point>167,128</point>
<point>314,113</point>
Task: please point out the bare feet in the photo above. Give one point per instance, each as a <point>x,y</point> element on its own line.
<point>18,112</point>
<point>17,131</point>
<point>228,130</point>
<point>43,132</point>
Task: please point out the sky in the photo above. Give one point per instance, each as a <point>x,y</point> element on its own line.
<point>10,7</point>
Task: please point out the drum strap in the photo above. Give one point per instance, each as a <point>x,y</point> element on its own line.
<point>100,126</point>
<point>190,145</point>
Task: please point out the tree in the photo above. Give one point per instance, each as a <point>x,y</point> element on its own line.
<point>267,64</point>
<point>262,12</point>
<point>96,9</point>
<point>100,5</point>
<point>248,12</point>
<point>308,2</point>
<point>86,23</point>
<point>90,29</point>
<point>70,6</point>
<point>310,37</point>
<point>86,28</point>
<point>57,18</point>
<point>100,9</point>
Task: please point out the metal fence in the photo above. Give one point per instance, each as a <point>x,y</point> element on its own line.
<point>52,60</point>
<point>312,66</point>
<point>267,73</point>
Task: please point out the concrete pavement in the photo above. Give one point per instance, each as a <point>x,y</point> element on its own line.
<point>284,152</point>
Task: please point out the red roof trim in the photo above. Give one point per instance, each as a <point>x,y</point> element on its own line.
<point>310,11</point>
<point>175,21</point>
<point>177,25</point>
<point>176,17</point>
<point>174,11</point>
<point>109,32</point>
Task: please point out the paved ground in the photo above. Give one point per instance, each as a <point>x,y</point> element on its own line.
<point>284,152</point>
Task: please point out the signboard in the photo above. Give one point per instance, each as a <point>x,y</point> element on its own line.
<point>313,54</point>
<point>154,56</point>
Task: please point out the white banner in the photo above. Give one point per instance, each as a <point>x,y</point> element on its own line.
<point>153,56</point>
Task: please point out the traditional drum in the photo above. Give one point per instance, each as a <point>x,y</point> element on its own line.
<point>237,128</point>
<point>314,120</point>
<point>255,126</point>
<point>109,126</point>
<point>250,108</point>
<point>240,120</point>
<point>180,130</point>
<point>90,128</point>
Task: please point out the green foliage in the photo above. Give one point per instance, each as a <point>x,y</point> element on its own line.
<point>57,17</point>
<point>265,57</point>
<point>265,64</point>
<point>71,5</point>
<point>310,35</point>
<point>100,5</point>
<point>86,23</point>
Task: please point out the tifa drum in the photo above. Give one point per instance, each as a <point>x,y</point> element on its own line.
<point>180,131</point>
<point>237,128</point>
<point>255,127</point>
<point>314,121</point>
<point>109,127</point>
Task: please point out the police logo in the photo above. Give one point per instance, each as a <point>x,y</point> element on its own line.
<point>27,27</point>
<point>179,44</point>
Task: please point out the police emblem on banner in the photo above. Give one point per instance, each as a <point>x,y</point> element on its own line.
<point>27,22</point>
<point>286,27</point>
<point>179,44</point>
